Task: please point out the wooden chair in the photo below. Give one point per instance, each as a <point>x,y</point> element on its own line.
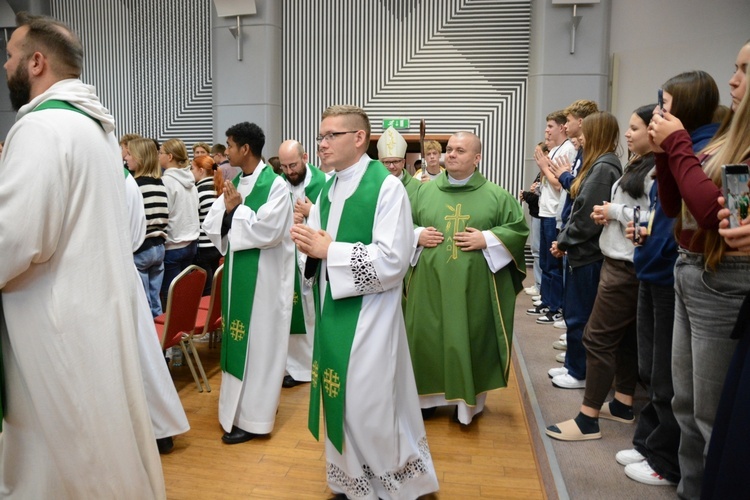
<point>176,325</point>
<point>208,320</point>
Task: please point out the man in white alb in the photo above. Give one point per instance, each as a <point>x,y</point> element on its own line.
<point>359,239</point>
<point>249,223</point>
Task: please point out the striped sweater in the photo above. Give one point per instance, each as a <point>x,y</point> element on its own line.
<point>157,211</point>
<point>206,198</point>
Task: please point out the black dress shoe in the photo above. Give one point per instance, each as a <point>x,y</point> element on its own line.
<point>428,412</point>
<point>237,436</point>
<point>289,382</point>
<point>165,445</point>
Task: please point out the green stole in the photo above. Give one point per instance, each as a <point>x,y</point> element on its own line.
<point>334,330</point>
<point>317,181</point>
<point>239,289</point>
<point>50,104</point>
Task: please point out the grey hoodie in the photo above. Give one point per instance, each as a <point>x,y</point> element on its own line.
<point>182,196</point>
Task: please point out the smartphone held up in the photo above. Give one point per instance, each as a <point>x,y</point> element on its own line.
<point>736,191</point>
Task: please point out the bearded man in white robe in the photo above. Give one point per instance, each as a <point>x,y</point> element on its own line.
<point>75,418</point>
<point>360,229</point>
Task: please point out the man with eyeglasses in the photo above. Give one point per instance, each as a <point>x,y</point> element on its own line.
<point>392,154</point>
<point>470,241</point>
<point>304,182</point>
<point>359,241</point>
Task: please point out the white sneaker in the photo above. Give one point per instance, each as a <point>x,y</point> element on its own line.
<point>532,290</point>
<point>568,382</point>
<point>554,372</point>
<point>560,358</point>
<point>564,337</point>
<point>536,297</point>
<point>561,325</point>
<point>627,457</point>
<point>643,473</point>
<point>560,345</point>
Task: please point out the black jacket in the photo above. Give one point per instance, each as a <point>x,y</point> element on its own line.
<point>580,237</point>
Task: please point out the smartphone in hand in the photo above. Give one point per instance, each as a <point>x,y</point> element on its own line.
<point>660,101</point>
<point>734,179</point>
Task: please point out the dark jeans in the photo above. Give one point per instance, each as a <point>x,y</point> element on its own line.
<point>175,261</point>
<point>552,280</point>
<point>610,334</point>
<point>208,258</point>
<point>580,293</point>
<point>657,434</point>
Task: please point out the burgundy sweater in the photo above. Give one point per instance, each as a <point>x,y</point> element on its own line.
<point>680,179</point>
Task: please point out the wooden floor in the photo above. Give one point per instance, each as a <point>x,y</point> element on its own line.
<point>492,458</point>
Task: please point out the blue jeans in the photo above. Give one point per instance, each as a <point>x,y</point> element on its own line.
<point>175,261</point>
<point>580,293</point>
<point>150,265</point>
<point>536,228</point>
<point>706,307</point>
<point>552,275</point>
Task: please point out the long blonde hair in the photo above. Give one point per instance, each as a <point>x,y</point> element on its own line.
<point>734,149</point>
<point>602,136</point>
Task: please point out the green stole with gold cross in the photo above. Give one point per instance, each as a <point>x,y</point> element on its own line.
<point>238,288</point>
<point>317,181</point>
<point>334,330</point>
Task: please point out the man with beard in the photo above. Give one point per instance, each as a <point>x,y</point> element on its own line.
<point>304,182</point>
<point>76,422</point>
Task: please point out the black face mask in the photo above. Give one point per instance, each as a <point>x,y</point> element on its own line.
<point>19,86</point>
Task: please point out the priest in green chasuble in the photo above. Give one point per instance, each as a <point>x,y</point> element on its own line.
<point>358,243</point>
<point>468,267</point>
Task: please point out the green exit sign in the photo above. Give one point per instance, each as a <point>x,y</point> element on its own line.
<point>398,123</point>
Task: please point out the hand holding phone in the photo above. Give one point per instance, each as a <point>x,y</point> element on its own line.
<point>736,192</point>
<point>660,101</point>
<point>637,224</point>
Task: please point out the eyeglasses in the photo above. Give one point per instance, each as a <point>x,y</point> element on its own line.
<point>388,163</point>
<point>331,135</point>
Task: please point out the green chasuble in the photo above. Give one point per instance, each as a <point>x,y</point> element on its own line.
<point>336,326</point>
<point>312,190</point>
<point>410,184</point>
<point>459,315</point>
<point>238,286</point>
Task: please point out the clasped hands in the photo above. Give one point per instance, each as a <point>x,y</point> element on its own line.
<point>468,240</point>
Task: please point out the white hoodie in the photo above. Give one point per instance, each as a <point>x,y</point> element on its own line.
<point>182,196</point>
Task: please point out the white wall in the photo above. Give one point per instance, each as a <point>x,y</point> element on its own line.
<point>655,40</point>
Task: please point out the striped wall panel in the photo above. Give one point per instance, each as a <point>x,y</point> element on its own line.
<point>149,61</point>
<point>459,64</point>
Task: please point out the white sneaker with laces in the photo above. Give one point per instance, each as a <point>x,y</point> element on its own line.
<point>568,382</point>
<point>643,473</point>
<point>554,372</point>
<point>561,325</point>
<point>532,290</point>
<point>627,457</point>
